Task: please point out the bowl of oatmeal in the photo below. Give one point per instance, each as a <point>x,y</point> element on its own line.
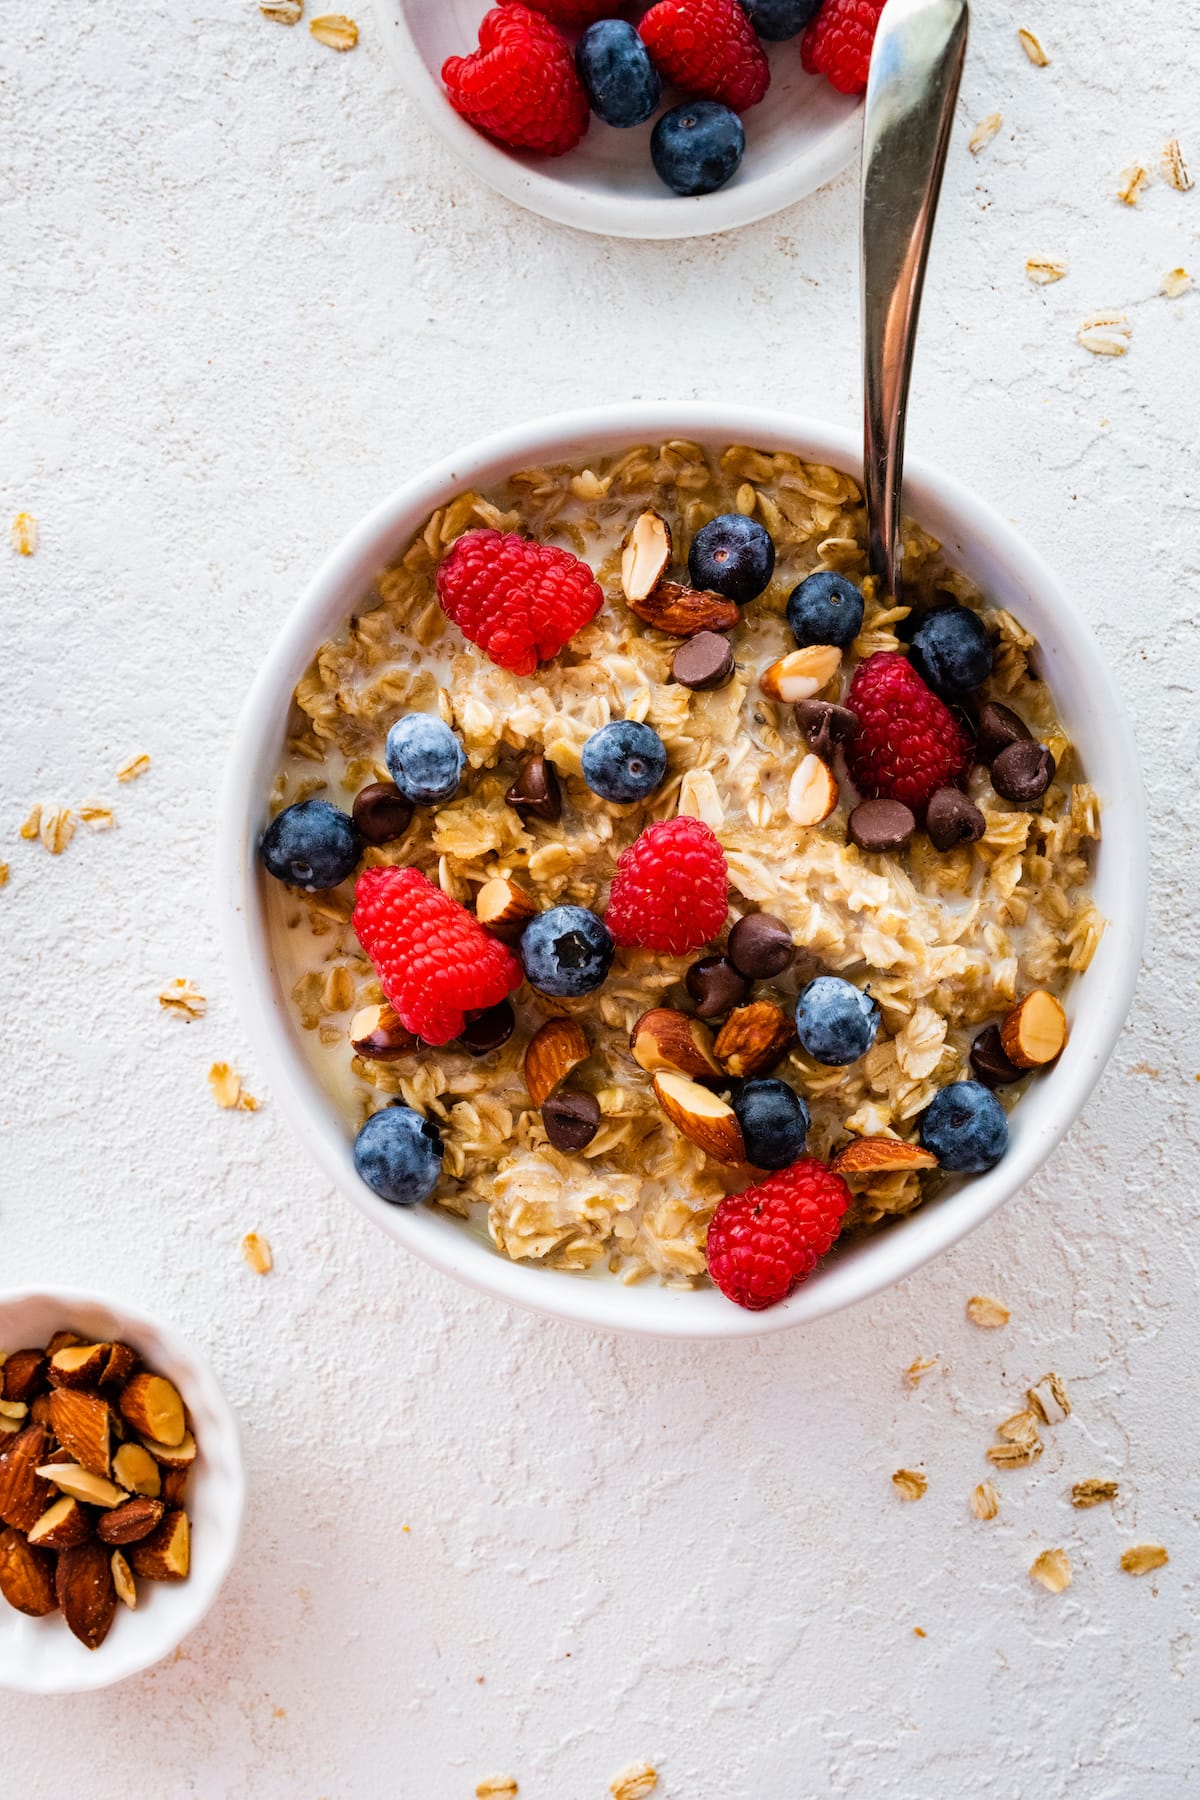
<point>571,1096</point>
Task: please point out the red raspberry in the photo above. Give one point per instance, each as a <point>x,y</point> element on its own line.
<point>434,961</point>
<point>670,891</point>
<point>908,743</point>
<point>838,43</point>
<point>765,1240</point>
<point>709,48</point>
<point>576,13</point>
<point>520,601</point>
<point>520,86</point>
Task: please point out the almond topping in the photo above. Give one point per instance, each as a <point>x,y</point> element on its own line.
<point>82,1426</point>
<point>554,1050</point>
<point>801,673</point>
<point>84,1583</point>
<point>377,1034</point>
<point>26,1576</point>
<point>1035,1031</point>
<point>702,1116</point>
<point>123,1583</point>
<point>93,1490</point>
<point>172,1456</point>
<point>683,611</point>
<point>646,556</point>
<point>79,1365</point>
<point>136,1469</point>
<point>154,1409</point>
<point>165,1555</point>
<point>812,792</point>
<point>666,1039</point>
<point>880,1155</point>
<point>753,1039</point>
<point>503,907</point>
<point>61,1525</point>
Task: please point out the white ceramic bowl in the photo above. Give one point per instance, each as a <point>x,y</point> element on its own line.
<point>977,541</point>
<point>40,1656</point>
<point>800,136</point>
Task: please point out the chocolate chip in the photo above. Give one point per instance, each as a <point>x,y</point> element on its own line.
<point>824,725</point>
<point>951,820</point>
<point>989,1061</point>
<point>535,794</point>
<point>571,1120</point>
<point>760,946</point>
<point>704,662</point>
<point>488,1030</point>
<point>381,812</point>
<point>715,986</point>
<point>881,825</point>
<point>1023,771</point>
<point>998,727</point>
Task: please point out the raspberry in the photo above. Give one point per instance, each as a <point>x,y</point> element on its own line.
<point>435,962</point>
<point>765,1240</point>
<point>520,601</point>
<point>838,43</point>
<point>575,13</point>
<point>708,47</point>
<point>908,743</point>
<point>521,85</point>
<point>670,890</point>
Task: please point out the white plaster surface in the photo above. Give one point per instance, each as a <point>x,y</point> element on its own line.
<point>245,293</point>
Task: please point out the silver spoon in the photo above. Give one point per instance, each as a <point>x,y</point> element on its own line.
<point>915,70</point>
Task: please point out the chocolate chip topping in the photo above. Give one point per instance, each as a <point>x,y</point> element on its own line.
<point>951,819</point>
<point>535,794</point>
<point>704,662</point>
<point>760,946</point>
<point>381,812</point>
<point>824,725</point>
<point>998,727</point>
<point>990,1062</point>
<point>715,986</point>
<point>488,1030</point>
<point>881,825</point>
<point>1023,771</point>
<point>571,1120</point>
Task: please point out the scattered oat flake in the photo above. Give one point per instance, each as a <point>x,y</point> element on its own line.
<point>1032,48</point>
<point>494,1787</point>
<point>985,1500</point>
<point>634,1782</point>
<point>1132,182</point>
<point>335,30</point>
<point>257,1252</point>
<point>96,815</point>
<point>3,874</point>
<point>183,998</point>
<point>987,1312</point>
<point>1175,169</point>
<point>1015,1456</point>
<point>1021,1429</point>
<point>1140,1559</point>
<point>1093,1493</point>
<point>1053,1569</point>
<point>1176,282</point>
<point>1049,1400</point>
<point>915,1370</point>
<point>57,829</point>
<point>1106,334</point>
<point>910,1484</point>
<point>33,825</point>
<point>137,765</point>
<point>24,534</point>
<point>1045,269</point>
<point>917,1632</point>
<point>228,1091</point>
<point>285,12</point>
<point>984,132</point>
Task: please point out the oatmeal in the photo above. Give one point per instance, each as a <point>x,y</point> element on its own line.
<point>935,917</point>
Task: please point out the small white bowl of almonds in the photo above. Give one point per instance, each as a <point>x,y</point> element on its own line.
<point>121,1491</point>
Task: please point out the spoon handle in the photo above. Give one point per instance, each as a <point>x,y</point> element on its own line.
<point>915,71</point>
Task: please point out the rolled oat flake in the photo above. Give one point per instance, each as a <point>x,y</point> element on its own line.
<point>1023,771</point>
<point>878,826</point>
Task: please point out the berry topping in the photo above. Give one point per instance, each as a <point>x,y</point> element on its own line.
<point>965,1127</point>
<point>614,65</point>
<point>765,1240</point>
<point>573,13</point>
<point>567,951</point>
<point>777,20</point>
<point>774,1121</point>
<point>424,758</point>
<point>733,556</point>
<point>952,651</point>
<point>670,890</point>
<point>708,47</point>
<point>908,743</point>
<point>835,1021</point>
<point>311,845</point>
<point>624,761</point>
<point>520,601</point>
<point>520,86</point>
<point>825,609</point>
<point>398,1153</point>
<point>434,961</point>
<point>838,43</point>
<point>696,148</point>
<point>382,813</point>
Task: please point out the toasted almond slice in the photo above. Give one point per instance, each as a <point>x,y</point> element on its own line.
<point>93,1490</point>
<point>14,1411</point>
<point>812,791</point>
<point>377,1034</point>
<point>174,1484</point>
<point>1035,1031</point>
<point>123,1582</point>
<point>61,1339</point>
<point>122,1361</point>
<point>646,556</point>
<point>83,1581</point>
<point>555,1049</point>
<point>61,1525</point>
<point>26,1575</point>
<point>23,1372</point>
<point>683,611</point>
<point>504,908</point>
<point>78,1365</point>
<point>666,1039</point>
<point>83,1427</point>
<point>880,1155</point>
<point>173,1456</point>
<point>165,1555</point>
<point>154,1409</point>
<point>136,1469</point>
<point>753,1039</point>
<point>801,673</point>
<point>702,1116</point>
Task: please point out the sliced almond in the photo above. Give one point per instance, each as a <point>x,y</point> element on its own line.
<point>26,1575</point>
<point>702,1116</point>
<point>130,1523</point>
<point>880,1156</point>
<point>555,1049</point>
<point>753,1039</point>
<point>61,1525</point>
<point>683,611</point>
<point>61,1339</point>
<point>812,791</point>
<point>93,1490</point>
<point>154,1409</point>
<point>674,1041</point>
<point>79,1365</point>
<point>123,1582</point>
<point>646,556</point>
<point>15,1411</point>
<point>165,1555</point>
<point>801,673</point>
<point>122,1361</point>
<point>83,1581</point>
<point>173,1456</point>
<point>82,1426</point>
<point>24,1493</point>
<point>136,1469</point>
<point>377,1034</point>
<point>504,908</point>
<point>174,1484</point>
<point>1035,1031</point>
<point>24,1371</point>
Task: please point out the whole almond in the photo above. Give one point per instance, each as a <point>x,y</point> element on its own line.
<point>24,1494</point>
<point>26,1575</point>
<point>84,1585</point>
<point>127,1524</point>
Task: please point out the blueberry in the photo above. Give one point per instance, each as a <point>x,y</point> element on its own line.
<point>951,650</point>
<point>732,556</point>
<point>399,1155</point>
<point>776,20</point>
<point>774,1121</point>
<point>966,1127</point>
<point>615,67</point>
<point>697,147</point>
<point>835,1021</point>
<point>311,845</point>
<point>624,760</point>
<point>825,609</point>
<point>566,952</point>
<point>424,758</point>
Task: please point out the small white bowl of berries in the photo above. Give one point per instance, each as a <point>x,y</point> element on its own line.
<point>674,120</point>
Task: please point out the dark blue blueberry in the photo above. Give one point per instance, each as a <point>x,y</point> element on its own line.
<point>966,1128</point>
<point>399,1155</point>
<point>698,146</point>
<point>951,650</point>
<point>424,758</point>
<point>614,66</point>
<point>836,1021</point>
<point>732,556</point>
<point>825,609</point>
<point>566,952</point>
<point>776,20</point>
<point>311,845</point>
<point>624,761</point>
<point>774,1121</point>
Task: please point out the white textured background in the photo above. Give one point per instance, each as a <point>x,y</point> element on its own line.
<point>247,293</point>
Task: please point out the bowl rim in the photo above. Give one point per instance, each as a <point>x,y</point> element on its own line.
<point>328,600</point>
<point>182,1353</point>
<point>563,201</point>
